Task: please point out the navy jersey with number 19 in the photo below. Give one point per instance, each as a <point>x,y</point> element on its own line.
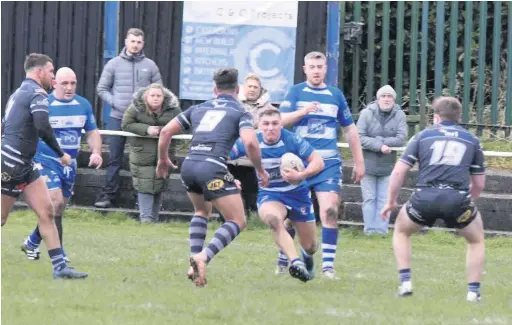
<point>447,154</point>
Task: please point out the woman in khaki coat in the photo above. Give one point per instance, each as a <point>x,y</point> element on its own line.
<point>151,109</point>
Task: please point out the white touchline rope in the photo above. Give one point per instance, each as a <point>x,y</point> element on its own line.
<point>340,145</point>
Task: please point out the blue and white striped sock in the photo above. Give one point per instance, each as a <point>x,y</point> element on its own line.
<point>329,244</point>
<point>34,240</point>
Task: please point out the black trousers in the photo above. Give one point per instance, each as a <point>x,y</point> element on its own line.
<point>247,177</point>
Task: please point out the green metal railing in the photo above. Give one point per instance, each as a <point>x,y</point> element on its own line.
<point>425,50</point>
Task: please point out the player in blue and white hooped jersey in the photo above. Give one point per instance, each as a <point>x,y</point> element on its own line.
<point>69,114</point>
<point>287,195</point>
<point>451,175</point>
<point>316,112</point>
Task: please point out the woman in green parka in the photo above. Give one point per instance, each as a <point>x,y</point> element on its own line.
<point>151,109</point>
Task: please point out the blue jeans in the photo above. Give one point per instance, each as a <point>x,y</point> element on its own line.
<point>374,190</point>
<point>149,206</point>
<point>115,160</point>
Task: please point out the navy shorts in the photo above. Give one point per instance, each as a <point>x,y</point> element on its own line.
<point>16,176</point>
<point>454,207</point>
<point>208,177</point>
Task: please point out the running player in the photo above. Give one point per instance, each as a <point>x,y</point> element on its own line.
<point>451,175</point>
<point>316,112</point>
<point>69,115</point>
<point>216,124</point>
<point>26,119</point>
<point>283,199</point>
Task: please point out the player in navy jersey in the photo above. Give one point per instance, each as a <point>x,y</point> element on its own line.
<point>316,112</point>
<point>25,120</point>
<point>216,124</point>
<point>69,115</point>
<point>451,174</point>
<point>287,195</point>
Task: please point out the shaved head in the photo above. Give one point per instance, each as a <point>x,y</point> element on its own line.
<point>65,72</point>
<point>65,84</point>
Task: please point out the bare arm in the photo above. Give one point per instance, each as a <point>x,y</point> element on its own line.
<point>477,185</point>
<point>352,135</point>
<point>292,118</point>
<point>396,181</point>
<point>315,165</point>
<point>94,141</point>
<point>170,129</point>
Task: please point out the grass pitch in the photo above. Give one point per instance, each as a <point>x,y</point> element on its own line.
<point>137,276</point>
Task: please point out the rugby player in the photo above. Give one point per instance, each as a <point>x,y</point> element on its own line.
<point>316,112</point>
<point>451,174</point>
<point>25,120</point>
<point>216,124</point>
<point>69,115</point>
<point>287,195</point>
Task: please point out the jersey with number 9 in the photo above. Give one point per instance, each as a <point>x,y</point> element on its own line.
<point>215,126</point>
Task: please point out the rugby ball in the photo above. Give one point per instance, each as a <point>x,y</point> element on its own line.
<point>292,161</point>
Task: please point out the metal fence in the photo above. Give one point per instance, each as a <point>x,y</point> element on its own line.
<point>425,49</point>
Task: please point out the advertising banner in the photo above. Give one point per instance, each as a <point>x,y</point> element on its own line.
<point>257,37</point>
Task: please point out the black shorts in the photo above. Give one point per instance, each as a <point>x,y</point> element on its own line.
<point>454,207</point>
<point>16,176</point>
<point>209,178</point>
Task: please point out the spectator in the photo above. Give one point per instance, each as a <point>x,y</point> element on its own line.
<point>254,97</point>
<point>121,78</point>
<point>152,108</point>
<point>381,125</point>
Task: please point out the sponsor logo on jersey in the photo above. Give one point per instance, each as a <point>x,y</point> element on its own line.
<point>6,177</point>
<point>202,147</point>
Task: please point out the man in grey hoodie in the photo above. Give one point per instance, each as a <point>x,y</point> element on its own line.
<point>123,76</point>
<point>381,125</point>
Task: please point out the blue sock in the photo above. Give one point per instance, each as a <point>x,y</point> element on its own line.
<point>34,240</point>
<point>283,259</point>
<point>474,287</point>
<point>57,257</point>
<point>405,275</point>
<point>306,256</point>
<point>329,243</point>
